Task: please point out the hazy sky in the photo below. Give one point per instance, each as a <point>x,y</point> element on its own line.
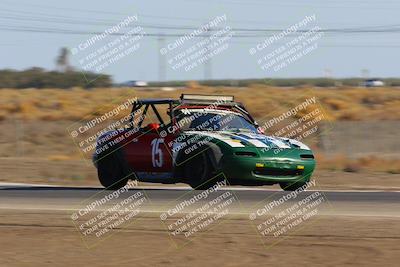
<point>341,54</point>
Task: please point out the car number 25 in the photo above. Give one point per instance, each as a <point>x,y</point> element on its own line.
<point>156,152</point>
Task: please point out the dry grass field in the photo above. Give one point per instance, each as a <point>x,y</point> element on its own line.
<point>74,104</point>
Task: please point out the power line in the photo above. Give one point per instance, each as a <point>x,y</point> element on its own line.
<point>394,28</point>
<point>380,5</point>
<point>360,29</point>
<point>121,13</point>
<point>175,35</point>
<point>242,32</point>
<point>360,5</point>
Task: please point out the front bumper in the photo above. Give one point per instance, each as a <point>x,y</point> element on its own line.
<point>267,168</point>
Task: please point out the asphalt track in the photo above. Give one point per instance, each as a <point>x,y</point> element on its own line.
<point>371,203</point>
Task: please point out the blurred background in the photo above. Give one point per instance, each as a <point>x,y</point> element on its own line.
<point>49,78</point>
<point>64,63</point>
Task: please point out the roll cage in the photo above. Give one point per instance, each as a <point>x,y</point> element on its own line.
<point>176,108</point>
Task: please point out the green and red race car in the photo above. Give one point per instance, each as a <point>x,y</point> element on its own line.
<point>199,140</point>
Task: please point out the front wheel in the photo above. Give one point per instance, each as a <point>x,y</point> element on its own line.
<point>199,172</point>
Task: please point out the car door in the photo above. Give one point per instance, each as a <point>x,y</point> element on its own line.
<point>147,151</point>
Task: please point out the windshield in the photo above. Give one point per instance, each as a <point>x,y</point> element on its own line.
<point>201,121</point>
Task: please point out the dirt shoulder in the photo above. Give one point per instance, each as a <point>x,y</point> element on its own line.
<point>49,239</point>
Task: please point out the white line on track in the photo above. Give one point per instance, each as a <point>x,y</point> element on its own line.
<point>184,212</point>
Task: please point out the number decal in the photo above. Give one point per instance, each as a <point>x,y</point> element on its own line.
<point>156,152</point>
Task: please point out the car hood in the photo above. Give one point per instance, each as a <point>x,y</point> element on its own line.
<point>248,139</point>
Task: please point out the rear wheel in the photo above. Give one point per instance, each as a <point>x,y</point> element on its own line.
<point>287,186</point>
<point>110,171</point>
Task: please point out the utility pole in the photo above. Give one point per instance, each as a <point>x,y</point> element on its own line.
<point>208,63</point>
<point>365,73</point>
<point>161,59</point>
<point>328,73</point>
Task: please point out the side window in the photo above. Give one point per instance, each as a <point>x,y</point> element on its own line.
<point>150,115</point>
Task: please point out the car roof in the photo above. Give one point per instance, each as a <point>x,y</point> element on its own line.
<point>179,104</point>
<point>193,99</point>
<point>157,101</point>
<point>191,103</point>
<point>212,110</point>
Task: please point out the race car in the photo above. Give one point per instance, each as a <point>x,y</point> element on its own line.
<point>199,140</point>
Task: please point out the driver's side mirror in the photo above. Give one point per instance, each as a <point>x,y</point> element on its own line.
<point>260,130</point>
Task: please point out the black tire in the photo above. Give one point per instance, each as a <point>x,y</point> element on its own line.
<point>198,171</point>
<point>110,171</point>
<point>287,186</point>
